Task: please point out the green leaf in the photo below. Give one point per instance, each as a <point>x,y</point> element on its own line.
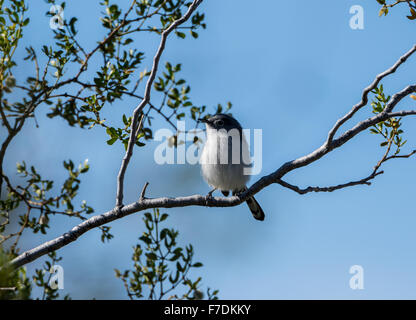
<point>148,216</point>
<point>125,120</point>
<point>145,239</point>
<point>164,232</point>
<point>384,10</point>
<point>413,14</point>
<point>180,34</point>
<point>174,280</point>
<point>112,140</point>
<point>151,256</point>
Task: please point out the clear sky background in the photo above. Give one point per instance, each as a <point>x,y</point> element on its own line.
<point>290,68</point>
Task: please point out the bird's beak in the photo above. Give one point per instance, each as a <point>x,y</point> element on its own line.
<point>203,120</point>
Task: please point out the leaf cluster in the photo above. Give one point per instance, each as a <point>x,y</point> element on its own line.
<point>161,265</point>
<point>390,130</point>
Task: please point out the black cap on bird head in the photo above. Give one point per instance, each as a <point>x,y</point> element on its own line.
<point>221,121</point>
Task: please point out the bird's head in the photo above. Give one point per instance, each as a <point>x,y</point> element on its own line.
<point>221,121</point>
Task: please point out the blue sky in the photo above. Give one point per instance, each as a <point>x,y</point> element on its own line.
<point>290,68</point>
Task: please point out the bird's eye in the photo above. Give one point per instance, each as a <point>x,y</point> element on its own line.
<point>219,123</point>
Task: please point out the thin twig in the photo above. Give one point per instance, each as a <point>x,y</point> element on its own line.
<point>201,200</point>
<point>146,99</point>
<point>365,181</point>
<point>364,98</point>
<point>143,192</point>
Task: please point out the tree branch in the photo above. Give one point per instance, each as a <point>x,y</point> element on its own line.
<point>364,99</point>
<point>146,99</point>
<point>403,113</point>
<point>199,200</point>
<point>365,181</point>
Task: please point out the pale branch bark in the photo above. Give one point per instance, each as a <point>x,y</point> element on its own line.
<point>329,145</point>
<point>402,113</point>
<point>365,181</point>
<point>146,99</point>
<point>364,98</point>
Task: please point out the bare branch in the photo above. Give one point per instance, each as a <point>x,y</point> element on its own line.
<point>118,213</point>
<point>405,156</point>
<point>200,200</point>
<point>365,181</point>
<point>403,113</point>
<point>366,91</point>
<point>143,191</point>
<point>146,99</point>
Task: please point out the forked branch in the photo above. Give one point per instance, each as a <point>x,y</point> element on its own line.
<point>275,177</point>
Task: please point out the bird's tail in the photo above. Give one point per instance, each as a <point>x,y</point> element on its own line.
<point>253,205</point>
<point>255,209</point>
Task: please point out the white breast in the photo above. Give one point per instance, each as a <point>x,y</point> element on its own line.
<point>217,166</point>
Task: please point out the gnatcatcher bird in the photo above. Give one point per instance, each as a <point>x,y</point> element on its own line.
<point>224,159</point>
